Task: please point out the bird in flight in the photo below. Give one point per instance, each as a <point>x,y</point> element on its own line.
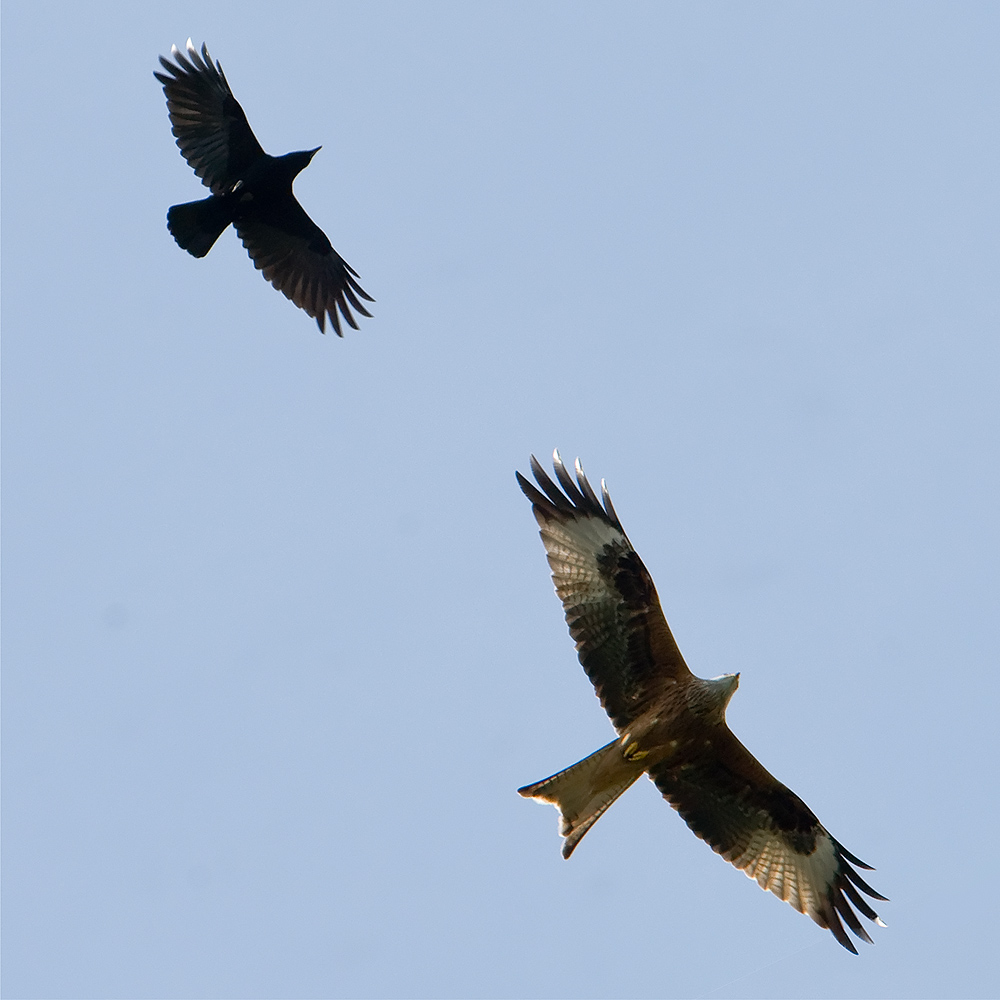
<point>671,725</point>
<point>252,191</point>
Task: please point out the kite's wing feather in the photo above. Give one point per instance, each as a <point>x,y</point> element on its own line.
<point>211,129</point>
<point>612,610</point>
<point>763,828</point>
<point>296,257</point>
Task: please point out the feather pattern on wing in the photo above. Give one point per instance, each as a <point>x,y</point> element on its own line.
<point>762,827</point>
<point>301,263</point>
<point>611,607</point>
<point>212,131</point>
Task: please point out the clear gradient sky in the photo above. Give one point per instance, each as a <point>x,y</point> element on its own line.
<point>280,641</point>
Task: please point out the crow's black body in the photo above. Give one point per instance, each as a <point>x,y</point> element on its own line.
<point>251,191</point>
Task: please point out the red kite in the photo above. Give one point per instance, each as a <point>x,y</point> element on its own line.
<point>672,725</point>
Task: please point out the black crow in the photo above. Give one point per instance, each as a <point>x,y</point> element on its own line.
<point>251,190</point>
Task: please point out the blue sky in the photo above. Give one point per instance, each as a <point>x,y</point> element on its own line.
<point>280,641</point>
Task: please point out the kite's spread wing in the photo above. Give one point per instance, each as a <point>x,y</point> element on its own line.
<point>612,610</point>
<point>746,815</point>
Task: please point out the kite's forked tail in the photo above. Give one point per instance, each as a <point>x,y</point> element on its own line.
<point>584,791</point>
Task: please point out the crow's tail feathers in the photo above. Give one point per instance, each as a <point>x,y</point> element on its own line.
<point>196,225</point>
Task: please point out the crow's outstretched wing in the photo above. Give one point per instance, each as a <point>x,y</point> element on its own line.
<point>296,257</point>
<point>211,129</point>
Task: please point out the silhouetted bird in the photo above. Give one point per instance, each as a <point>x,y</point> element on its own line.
<point>253,192</point>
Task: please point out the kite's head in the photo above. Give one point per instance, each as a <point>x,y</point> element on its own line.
<point>710,698</point>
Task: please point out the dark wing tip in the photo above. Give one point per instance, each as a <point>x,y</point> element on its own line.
<point>842,894</point>
<point>176,69</point>
<point>191,63</point>
<point>356,286</point>
<point>846,860</point>
<point>555,504</point>
<point>529,490</point>
<point>837,929</point>
<point>609,506</point>
<point>573,498</point>
<point>342,299</point>
<point>349,292</point>
<point>180,65</point>
<point>850,857</point>
<point>862,884</point>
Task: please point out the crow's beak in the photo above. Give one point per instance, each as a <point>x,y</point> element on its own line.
<point>313,152</point>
